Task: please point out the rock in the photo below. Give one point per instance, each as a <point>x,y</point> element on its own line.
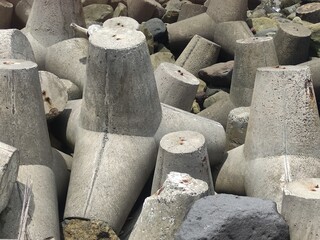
<point>288,3</point>
<point>149,38</point>
<point>210,100</point>
<point>217,75</point>
<point>263,23</point>
<point>225,216</point>
<point>195,107</point>
<point>85,229</point>
<point>160,57</point>
<point>173,8</point>
<point>97,13</point>
<point>157,28</point>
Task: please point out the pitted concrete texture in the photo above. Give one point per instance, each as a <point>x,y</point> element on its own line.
<point>163,212</point>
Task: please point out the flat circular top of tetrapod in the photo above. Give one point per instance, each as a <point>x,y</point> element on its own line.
<point>295,29</point>
<point>308,8</point>
<point>285,68</point>
<point>117,38</point>
<point>16,64</point>
<point>307,188</point>
<point>252,40</point>
<point>182,142</point>
<point>121,22</point>
<point>178,73</point>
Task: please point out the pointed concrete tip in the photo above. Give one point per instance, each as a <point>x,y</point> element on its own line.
<point>16,64</point>
<point>117,38</point>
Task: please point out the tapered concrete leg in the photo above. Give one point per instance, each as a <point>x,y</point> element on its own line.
<point>180,33</point>
<point>14,44</point>
<point>184,152</point>
<point>120,22</point>
<point>22,112</point>
<point>229,10</point>
<point>248,57</point>
<point>301,199</point>
<point>120,95</point>
<point>67,59</point>
<point>315,75</point>
<point>237,127</point>
<point>199,53</point>
<point>227,33</point>
<point>49,23</point>
<point>6,10</point>
<point>174,120</point>
<point>176,86</point>
<point>9,165</point>
<point>106,177</point>
<point>164,211</point>
<point>142,10</point>
<point>42,216</point>
<point>292,43</point>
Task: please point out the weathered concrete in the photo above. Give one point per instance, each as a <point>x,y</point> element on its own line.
<point>315,75</point>
<point>9,165</point>
<point>49,23</point>
<point>237,125</point>
<point>176,86</point>
<point>14,44</point>
<point>6,10</point>
<point>292,42</point>
<point>164,211</point>
<point>67,59</point>
<point>143,10</point>
<point>227,33</point>
<point>22,11</point>
<point>301,199</point>
<point>42,215</point>
<point>190,10</point>
<point>248,57</point>
<point>228,10</point>
<point>199,53</point>
<point>73,90</point>
<point>20,100</point>
<point>282,138</point>
<point>54,94</point>
<point>105,106</point>
<point>185,152</point>
<point>120,22</point>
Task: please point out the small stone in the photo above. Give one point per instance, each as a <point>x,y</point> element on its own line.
<point>97,13</point>
<point>160,57</point>
<point>157,28</point>
<point>121,10</point>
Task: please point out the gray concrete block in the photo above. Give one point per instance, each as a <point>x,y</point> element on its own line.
<point>49,23</point>
<point>248,57</point>
<point>120,22</point>
<point>6,10</point>
<point>199,53</point>
<point>228,10</point>
<point>292,42</point>
<point>22,112</point>
<point>185,152</point>
<point>9,165</point>
<point>67,59</point>
<point>176,86</point>
<point>237,125</point>
<point>190,10</point>
<point>15,45</point>
<point>225,216</point>
<point>164,211</point>
<point>301,199</point>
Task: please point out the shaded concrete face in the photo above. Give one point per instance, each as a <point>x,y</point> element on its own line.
<point>120,94</point>
<point>22,112</point>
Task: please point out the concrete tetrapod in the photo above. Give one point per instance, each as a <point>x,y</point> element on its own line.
<point>115,141</point>
<point>22,113</point>
<point>283,136</point>
<point>163,212</point>
<point>49,23</point>
<point>199,53</point>
<point>9,165</point>
<point>301,199</point>
<point>176,86</point>
<point>185,152</point>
